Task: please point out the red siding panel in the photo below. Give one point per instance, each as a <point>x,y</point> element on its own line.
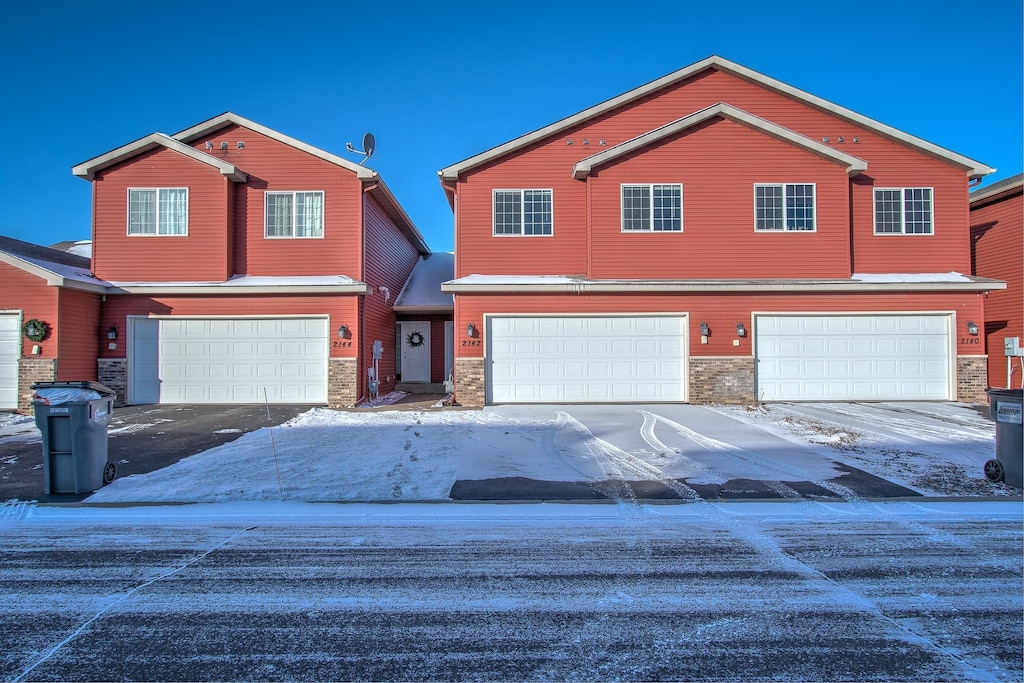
<point>20,291</point>
<point>201,255</point>
<point>997,232</point>
<point>80,340</point>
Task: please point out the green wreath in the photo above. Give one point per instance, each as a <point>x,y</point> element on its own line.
<point>415,339</point>
<point>36,329</point>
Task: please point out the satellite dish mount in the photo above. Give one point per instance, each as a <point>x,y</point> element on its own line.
<point>369,145</point>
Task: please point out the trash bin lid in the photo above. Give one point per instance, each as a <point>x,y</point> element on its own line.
<point>101,389</point>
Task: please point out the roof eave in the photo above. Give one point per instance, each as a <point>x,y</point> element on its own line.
<point>379,189</point>
<point>359,288</point>
<point>672,286</point>
<point>88,169</point>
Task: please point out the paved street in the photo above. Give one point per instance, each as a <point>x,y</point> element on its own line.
<point>701,591</point>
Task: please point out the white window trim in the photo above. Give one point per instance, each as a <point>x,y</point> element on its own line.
<point>785,228</point>
<point>293,236</point>
<point>128,212</point>
<point>522,200</point>
<point>903,212</point>
<point>650,227</point>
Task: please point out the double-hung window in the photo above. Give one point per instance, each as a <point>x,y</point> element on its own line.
<point>903,211</point>
<point>652,208</point>
<point>522,212</point>
<point>294,214</point>
<point>158,211</point>
<point>784,206</point>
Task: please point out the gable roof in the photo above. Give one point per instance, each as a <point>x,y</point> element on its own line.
<point>996,191</point>
<point>854,165</point>
<point>58,268</point>
<point>88,169</point>
<point>422,291</point>
<point>975,169</point>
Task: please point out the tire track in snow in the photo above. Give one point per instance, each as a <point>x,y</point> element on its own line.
<point>910,430</point>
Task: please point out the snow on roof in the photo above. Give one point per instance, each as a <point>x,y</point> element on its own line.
<point>910,277</point>
<point>422,291</point>
<point>81,248</point>
<point>59,268</point>
<point>251,284</point>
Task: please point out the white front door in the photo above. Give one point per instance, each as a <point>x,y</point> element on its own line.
<point>586,359</point>
<point>415,345</point>
<point>10,353</point>
<point>865,357</point>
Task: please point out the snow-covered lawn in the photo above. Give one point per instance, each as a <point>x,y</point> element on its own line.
<point>391,455</point>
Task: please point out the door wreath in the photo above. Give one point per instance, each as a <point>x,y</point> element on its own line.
<point>415,339</point>
<point>36,329</point>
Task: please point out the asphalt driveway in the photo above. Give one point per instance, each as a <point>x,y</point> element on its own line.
<point>142,439</point>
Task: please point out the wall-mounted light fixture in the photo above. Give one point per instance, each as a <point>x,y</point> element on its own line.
<point>741,331</point>
<point>241,144</point>
<point>209,146</point>
<point>112,333</point>
<point>343,331</point>
<point>470,330</point>
<point>224,146</point>
<point>705,331</point>
<point>972,329</point>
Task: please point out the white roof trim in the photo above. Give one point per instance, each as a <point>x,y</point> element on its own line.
<point>249,284</point>
<point>73,278</point>
<point>975,169</point>
<point>88,169</point>
<point>854,165</point>
<point>517,284</point>
<point>997,190</point>
<point>228,118</point>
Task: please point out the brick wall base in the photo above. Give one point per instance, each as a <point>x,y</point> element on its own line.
<point>971,379</point>
<point>113,374</point>
<point>717,379</point>
<point>469,382</point>
<point>342,382</point>
<point>30,371</point>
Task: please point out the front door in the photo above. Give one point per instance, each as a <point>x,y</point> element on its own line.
<point>415,345</point>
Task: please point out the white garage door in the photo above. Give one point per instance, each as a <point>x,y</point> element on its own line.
<point>10,352</point>
<point>586,359</point>
<point>853,357</point>
<point>229,360</point>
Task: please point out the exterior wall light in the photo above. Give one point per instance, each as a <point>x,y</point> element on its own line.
<point>470,330</point>
<point>112,333</point>
<point>343,331</point>
<point>741,331</point>
<point>705,331</point>
<point>972,329</point>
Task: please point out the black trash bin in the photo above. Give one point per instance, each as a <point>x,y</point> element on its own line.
<point>1008,466</point>
<point>73,418</point>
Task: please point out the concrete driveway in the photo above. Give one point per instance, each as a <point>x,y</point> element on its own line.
<point>142,439</point>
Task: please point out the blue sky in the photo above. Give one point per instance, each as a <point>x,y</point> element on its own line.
<point>439,82</point>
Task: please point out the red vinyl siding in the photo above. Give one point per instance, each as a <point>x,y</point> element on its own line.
<point>720,311</point>
<point>343,310</point>
<point>275,166</point>
<point>997,231</point>
<point>389,260</point>
<point>548,164</point>
<point>20,291</point>
<point>201,255</point>
<point>79,314</point>
<point>718,165</point>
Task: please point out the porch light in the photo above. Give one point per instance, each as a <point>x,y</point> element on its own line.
<point>470,330</point>
<point>112,333</point>
<point>741,331</point>
<point>972,329</point>
<point>705,331</point>
<point>343,331</point>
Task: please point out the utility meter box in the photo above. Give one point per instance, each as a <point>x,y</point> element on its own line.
<point>1012,347</point>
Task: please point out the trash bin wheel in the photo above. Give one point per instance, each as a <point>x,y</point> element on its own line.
<point>110,471</point>
<point>994,470</point>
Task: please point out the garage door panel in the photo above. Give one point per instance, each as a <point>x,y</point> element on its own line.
<point>586,359</point>
<point>853,357</point>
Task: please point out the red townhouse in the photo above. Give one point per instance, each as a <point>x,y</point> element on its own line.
<point>715,235</point>
<point>241,265</point>
<point>49,319</point>
<point>997,251</point>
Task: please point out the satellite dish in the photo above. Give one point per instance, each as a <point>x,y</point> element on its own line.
<point>369,145</point>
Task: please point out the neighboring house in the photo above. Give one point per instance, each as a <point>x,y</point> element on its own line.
<point>715,236</point>
<point>997,251</point>
<point>56,291</point>
<point>242,265</point>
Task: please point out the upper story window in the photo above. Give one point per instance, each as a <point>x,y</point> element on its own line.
<point>522,212</point>
<point>784,206</point>
<point>903,211</point>
<point>652,208</point>
<point>294,214</point>
<point>158,211</point>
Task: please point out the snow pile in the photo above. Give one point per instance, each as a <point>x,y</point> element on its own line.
<point>15,427</point>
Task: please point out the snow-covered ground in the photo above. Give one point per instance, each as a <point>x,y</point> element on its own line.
<point>392,455</point>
